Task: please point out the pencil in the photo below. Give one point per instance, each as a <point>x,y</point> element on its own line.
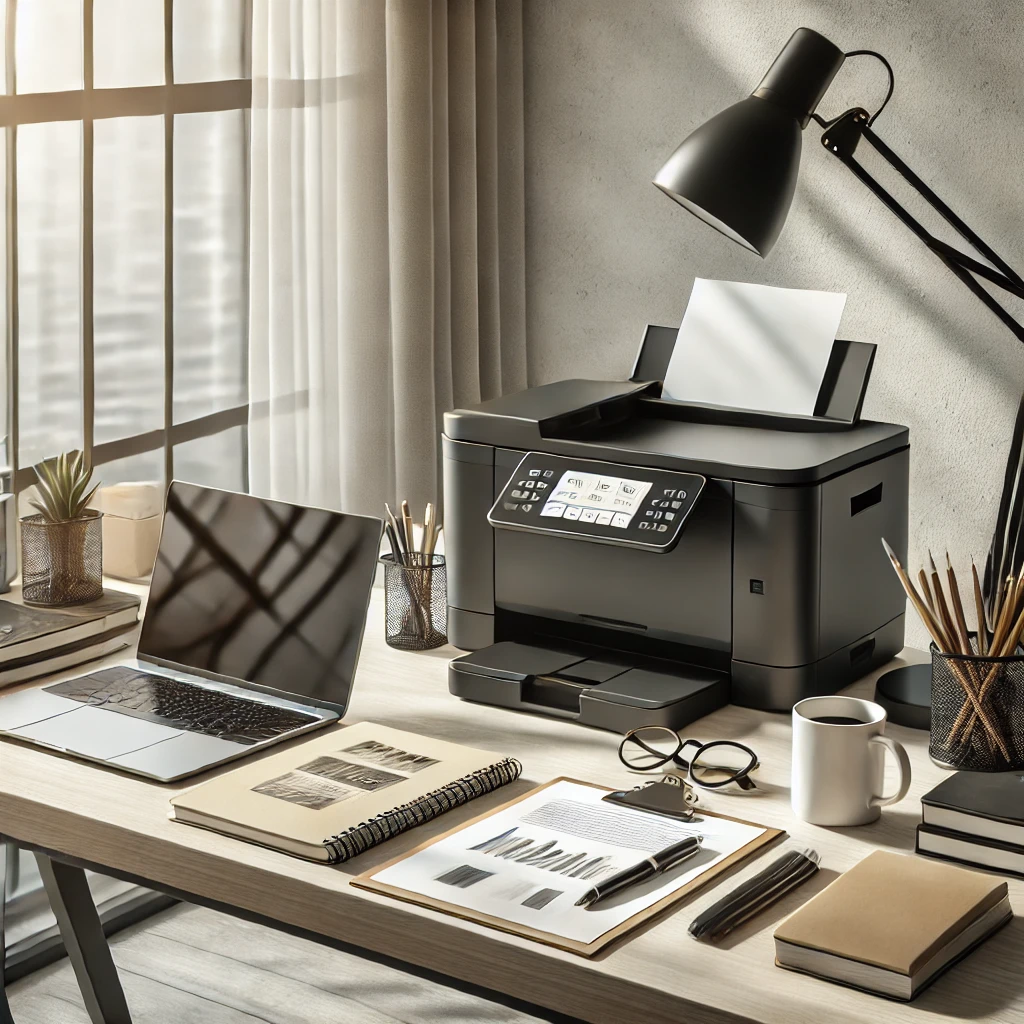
<point>942,609</point>
<point>926,590</point>
<point>979,608</point>
<point>958,607</point>
<point>427,540</point>
<point>410,533</point>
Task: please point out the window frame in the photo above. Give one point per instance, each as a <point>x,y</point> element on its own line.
<point>88,105</point>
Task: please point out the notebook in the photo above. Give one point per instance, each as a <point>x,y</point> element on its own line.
<point>892,924</point>
<point>332,797</point>
<point>521,867</point>
<point>982,804</point>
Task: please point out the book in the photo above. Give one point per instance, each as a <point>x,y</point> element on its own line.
<point>892,924</point>
<point>983,804</point>
<point>522,867</point>
<point>67,656</point>
<point>977,850</point>
<point>347,789</point>
<point>27,631</point>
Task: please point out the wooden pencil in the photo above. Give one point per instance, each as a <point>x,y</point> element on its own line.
<point>407,525</point>
<point>958,607</point>
<point>979,609</point>
<point>926,590</point>
<point>942,610</point>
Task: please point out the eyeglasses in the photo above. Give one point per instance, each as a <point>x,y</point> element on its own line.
<point>708,765</point>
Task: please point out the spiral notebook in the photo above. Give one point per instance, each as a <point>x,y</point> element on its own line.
<point>332,797</point>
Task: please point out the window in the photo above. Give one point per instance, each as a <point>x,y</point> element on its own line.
<point>124,236</point>
<point>124,248</point>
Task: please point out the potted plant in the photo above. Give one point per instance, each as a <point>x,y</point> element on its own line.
<point>62,544</point>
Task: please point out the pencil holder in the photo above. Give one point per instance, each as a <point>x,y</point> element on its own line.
<point>977,711</point>
<point>415,601</point>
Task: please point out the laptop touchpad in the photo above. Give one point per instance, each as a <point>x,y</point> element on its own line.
<point>186,753</point>
<point>94,732</point>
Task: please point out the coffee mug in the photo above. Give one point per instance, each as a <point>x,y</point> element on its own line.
<point>839,761</point>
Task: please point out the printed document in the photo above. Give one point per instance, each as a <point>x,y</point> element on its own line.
<point>532,861</point>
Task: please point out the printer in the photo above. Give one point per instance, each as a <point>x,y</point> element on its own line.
<point>625,560</point>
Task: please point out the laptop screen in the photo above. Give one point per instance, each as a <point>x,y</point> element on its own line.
<point>261,591</point>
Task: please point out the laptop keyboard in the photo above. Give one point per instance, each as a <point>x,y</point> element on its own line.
<point>182,705</point>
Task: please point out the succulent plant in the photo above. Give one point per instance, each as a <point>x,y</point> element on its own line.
<point>63,484</point>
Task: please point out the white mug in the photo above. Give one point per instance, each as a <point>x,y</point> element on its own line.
<point>838,768</point>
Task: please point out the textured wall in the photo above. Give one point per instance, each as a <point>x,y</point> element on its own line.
<point>612,86</point>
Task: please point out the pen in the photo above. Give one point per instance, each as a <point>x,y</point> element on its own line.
<point>789,871</point>
<point>663,860</point>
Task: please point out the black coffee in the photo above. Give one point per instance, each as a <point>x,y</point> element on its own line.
<point>837,720</point>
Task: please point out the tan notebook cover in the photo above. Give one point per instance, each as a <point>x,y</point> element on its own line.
<point>892,911</point>
<point>341,778</point>
<point>367,881</point>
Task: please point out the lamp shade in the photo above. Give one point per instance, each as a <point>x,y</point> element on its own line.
<point>737,171</point>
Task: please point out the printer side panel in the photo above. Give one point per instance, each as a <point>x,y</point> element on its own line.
<point>816,604</point>
<point>859,591</point>
<point>468,472</point>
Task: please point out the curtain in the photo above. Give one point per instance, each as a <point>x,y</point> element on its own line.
<point>386,239</point>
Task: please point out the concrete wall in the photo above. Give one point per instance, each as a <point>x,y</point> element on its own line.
<point>612,86</point>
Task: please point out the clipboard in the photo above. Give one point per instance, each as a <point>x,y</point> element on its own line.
<point>366,881</point>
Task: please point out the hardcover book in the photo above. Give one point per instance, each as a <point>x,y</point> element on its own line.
<point>347,789</point>
<point>988,805</point>
<point>892,924</point>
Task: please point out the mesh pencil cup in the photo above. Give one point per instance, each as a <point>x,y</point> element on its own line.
<point>415,601</point>
<point>977,711</point>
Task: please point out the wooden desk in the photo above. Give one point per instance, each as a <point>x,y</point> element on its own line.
<point>659,976</point>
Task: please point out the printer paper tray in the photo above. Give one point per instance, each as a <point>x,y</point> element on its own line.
<point>593,686</point>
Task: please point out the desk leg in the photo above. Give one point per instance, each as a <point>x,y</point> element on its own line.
<point>5,1009</point>
<point>71,902</point>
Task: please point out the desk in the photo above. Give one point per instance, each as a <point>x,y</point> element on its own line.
<point>89,815</point>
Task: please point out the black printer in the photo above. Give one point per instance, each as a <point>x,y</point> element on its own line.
<point>627,560</point>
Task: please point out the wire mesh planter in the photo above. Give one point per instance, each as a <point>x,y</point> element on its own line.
<point>415,602</point>
<point>977,711</point>
<point>62,563</point>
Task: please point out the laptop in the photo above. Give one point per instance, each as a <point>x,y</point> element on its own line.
<point>250,637</point>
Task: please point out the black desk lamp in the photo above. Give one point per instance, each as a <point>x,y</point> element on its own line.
<point>737,172</point>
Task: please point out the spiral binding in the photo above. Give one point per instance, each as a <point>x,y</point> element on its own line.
<point>361,837</point>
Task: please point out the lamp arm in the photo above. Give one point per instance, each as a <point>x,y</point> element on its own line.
<point>840,139</point>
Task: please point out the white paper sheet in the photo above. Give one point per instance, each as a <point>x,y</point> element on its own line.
<point>749,346</point>
<point>573,839</point>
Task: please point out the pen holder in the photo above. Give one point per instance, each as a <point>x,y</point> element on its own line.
<point>415,601</point>
<point>977,711</point>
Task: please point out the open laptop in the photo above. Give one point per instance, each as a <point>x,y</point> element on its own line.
<point>250,637</point>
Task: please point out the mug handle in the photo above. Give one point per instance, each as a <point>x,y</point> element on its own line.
<point>902,763</point>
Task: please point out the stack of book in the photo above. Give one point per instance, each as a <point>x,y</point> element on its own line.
<point>976,818</point>
<point>38,641</point>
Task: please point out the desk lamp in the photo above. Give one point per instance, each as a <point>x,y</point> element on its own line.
<point>737,172</point>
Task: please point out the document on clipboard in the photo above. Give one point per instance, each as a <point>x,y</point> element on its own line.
<point>522,868</point>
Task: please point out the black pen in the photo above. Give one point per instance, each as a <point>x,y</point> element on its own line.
<point>663,860</point>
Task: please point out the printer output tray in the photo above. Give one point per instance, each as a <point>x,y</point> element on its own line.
<point>591,685</point>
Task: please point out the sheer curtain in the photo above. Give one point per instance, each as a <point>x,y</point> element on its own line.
<point>386,238</point>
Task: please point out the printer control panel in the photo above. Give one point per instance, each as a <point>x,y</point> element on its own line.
<point>631,506</point>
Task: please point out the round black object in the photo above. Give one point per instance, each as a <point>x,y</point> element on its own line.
<point>906,695</point>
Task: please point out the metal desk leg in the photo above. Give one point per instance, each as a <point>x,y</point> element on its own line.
<point>5,1009</point>
<point>71,902</point>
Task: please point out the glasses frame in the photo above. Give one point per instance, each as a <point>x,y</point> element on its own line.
<point>740,777</point>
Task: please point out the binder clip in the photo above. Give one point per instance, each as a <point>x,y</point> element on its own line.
<point>670,796</point>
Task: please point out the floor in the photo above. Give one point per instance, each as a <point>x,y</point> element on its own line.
<point>189,965</point>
